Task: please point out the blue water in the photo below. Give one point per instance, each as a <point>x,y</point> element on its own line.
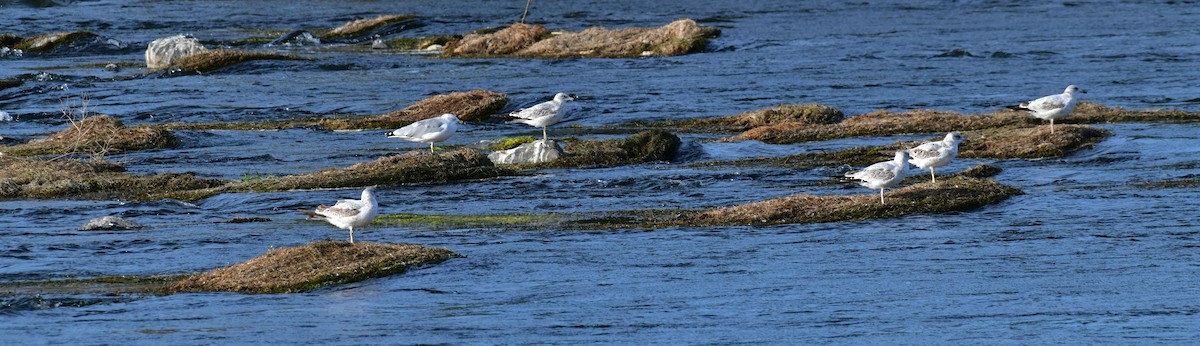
<point>1083,257</point>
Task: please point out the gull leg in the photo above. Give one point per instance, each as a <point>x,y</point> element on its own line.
<point>351,234</point>
<point>544,133</point>
<point>431,147</point>
<point>1051,126</point>
<point>932,175</point>
<point>881,196</point>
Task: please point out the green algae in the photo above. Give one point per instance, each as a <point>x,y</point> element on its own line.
<point>511,142</point>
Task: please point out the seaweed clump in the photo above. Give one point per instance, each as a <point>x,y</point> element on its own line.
<point>947,195</point>
<point>34,178</point>
<point>882,123</point>
<point>212,60</point>
<point>96,136</point>
<point>366,26</point>
<point>48,42</point>
<point>304,268</point>
<point>507,41</point>
<point>1030,142</point>
<point>798,114</point>
<point>1089,112</point>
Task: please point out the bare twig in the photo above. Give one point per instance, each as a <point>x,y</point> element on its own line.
<point>527,3</point>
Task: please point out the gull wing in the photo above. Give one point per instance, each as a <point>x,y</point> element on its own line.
<point>1047,103</point>
<point>420,128</point>
<point>543,109</point>
<point>927,150</point>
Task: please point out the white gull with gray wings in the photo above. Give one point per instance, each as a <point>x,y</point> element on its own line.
<point>935,154</point>
<point>543,114</point>
<point>348,213</point>
<point>1054,106</point>
<point>432,130</point>
<point>883,174</point>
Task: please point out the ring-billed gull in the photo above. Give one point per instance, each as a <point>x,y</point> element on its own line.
<point>543,114</point>
<point>432,130</point>
<point>883,174</point>
<point>935,154</point>
<point>1052,107</point>
<point>348,213</point>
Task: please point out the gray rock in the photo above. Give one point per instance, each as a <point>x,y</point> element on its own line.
<point>109,223</point>
<point>529,153</point>
<point>165,51</point>
<point>379,44</point>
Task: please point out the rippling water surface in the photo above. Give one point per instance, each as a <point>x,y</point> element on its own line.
<point>1082,257</point>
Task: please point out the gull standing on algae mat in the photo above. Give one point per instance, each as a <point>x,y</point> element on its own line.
<point>935,154</point>
<point>543,114</point>
<point>1052,107</point>
<point>432,130</point>
<point>348,213</point>
<point>883,174</point>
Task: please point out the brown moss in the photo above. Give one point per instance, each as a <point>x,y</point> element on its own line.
<point>218,58</point>
<point>363,26</point>
<point>10,40</point>
<point>679,37</point>
<point>468,106</point>
<point>947,195</point>
<point>68,178</point>
<point>304,268</point>
<point>803,114</point>
<point>47,42</point>
<point>96,135</point>
<point>503,42</point>
<point>647,146</point>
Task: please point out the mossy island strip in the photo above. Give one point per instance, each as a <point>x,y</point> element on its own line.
<point>643,147</point>
<point>304,268</point>
<point>285,270</point>
<point>218,58</point>
<point>474,105</point>
<point>534,41</point>
<point>69,178</point>
<point>799,114</point>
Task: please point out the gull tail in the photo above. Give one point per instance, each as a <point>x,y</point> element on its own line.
<point>1020,107</point>
<point>312,215</point>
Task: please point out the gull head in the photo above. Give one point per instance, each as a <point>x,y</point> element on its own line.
<point>369,192</point>
<point>1071,89</point>
<point>560,97</point>
<point>902,158</point>
<point>954,138</point>
<point>450,118</point>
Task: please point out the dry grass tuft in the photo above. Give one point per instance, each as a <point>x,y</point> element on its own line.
<point>504,42</point>
<point>304,268</point>
<point>362,26</point>
<point>646,146</point>
<point>800,114</point>
<point>96,136</point>
<point>214,59</point>
<point>1030,142</point>
<point>1088,112</point>
<point>679,37</point>
<point>948,195</point>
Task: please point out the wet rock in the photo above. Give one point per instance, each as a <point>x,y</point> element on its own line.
<point>109,223</point>
<point>379,44</point>
<point>4,116</point>
<point>304,268</point>
<point>644,147</point>
<point>164,52</point>
<point>7,52</point>
<point>539,151</point>
<point>296,38</point>
<point>956,53</point>
<point>112,68</point>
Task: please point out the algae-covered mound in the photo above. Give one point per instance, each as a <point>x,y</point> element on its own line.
<point>471,105</point>
<point>96,135</point>
<point>647,146</point>
<point>304,268</point>
<point>368,27</point>
<point>882,123</point>
<point>522,40</point>
<point>798,114</point>
<point>503,42</point>
<point>1030,142</point>
<point>947,195</point>
<point>215,59</point>
<point>68,178</point>
<point>47,42</point>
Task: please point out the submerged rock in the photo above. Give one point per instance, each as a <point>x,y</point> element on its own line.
<point>304,268</point>
<point>165,52</point>
<point>539,151</point>
<point>109,223</point>
<point>680,37</point>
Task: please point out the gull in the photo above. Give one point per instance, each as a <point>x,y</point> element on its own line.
<point>543,114</point>
<point>348,213</point>
<point>432,130</point>
<point>935,154</point>
<point>1052,107</point>
<point>883,174</point>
